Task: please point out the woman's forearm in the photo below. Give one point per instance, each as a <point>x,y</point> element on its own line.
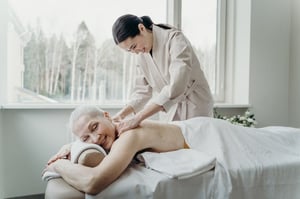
<point>127,110</point>
<point>148,111</point>
<point>76,175</point>
<point>94,180</point>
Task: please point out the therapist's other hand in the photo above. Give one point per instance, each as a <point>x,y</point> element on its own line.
<point>63,153</point>
<point>127,110</point>
<point>128,124</point>
<point>117,118</point>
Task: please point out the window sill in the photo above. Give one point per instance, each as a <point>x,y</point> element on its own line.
<point>55,106</point>
<point>226,105</point>
<point>105,106</point>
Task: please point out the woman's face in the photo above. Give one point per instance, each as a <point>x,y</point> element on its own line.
<point>96,130</point>
<point>141,43</point>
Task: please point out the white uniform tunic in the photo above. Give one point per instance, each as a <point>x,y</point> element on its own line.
<point>171,77</point>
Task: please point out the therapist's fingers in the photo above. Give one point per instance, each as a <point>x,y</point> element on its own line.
<point>117,118</point>
<point>122,130</point>
<point>127,125</point>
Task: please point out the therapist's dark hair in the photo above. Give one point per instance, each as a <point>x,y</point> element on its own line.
<point>127,26</point>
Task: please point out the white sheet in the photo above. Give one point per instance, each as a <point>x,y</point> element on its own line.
<point>251,163</point>
<point>78,147</point>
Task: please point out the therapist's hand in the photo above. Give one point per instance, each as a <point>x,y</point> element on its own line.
<point>128,124</point>
<point>117,118</point>
<point>123,113</point>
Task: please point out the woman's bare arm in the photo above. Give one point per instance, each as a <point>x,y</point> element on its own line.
<point>93,180</point>
<point>152,136</point>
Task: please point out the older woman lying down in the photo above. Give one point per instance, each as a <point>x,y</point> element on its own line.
<point>92,125</point>
<point>242,153</point>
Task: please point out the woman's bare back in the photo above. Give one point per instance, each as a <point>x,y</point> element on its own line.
<point>159,137</point>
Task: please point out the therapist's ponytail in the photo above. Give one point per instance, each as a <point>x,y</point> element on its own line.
<point>127,26</point>
<point>148,23</point>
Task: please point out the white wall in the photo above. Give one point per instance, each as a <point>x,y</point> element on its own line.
<point>3,49</point>
<point>258,56</point>
<point>1,158</point>
<point>30,138</point>
<point>3,76</point>
<point>294,108</point>
<point>269,61</point>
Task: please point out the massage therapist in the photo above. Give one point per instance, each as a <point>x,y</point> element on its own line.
<point>170,79</point>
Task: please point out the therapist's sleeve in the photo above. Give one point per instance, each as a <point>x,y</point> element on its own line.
<point>141,94</point>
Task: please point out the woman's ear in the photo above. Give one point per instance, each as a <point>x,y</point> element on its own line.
<point>141,27</point>
<point>106,114</point>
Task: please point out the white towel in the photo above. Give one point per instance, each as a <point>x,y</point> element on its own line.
<point>77,148</point>
<point>49,175</point>
<point>179,164</point>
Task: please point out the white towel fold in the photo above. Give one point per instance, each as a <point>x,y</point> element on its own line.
<point>179,164</point>
<point>77,148</point>
<point>49,175</point>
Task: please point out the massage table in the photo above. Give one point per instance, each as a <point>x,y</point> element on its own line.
<point>139,182</point>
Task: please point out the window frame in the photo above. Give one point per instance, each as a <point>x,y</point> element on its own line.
<point>173,18</point>
<point>221,51</point>
<point>3,49</point>
<point>174,15</point>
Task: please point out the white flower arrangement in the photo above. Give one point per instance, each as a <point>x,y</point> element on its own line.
<point>247,120</point>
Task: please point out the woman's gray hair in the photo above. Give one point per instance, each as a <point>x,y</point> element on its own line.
<point>91,110</point>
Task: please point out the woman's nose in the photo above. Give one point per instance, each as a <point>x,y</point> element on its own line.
<point>95,138</point>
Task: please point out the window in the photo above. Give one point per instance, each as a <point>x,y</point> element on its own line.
<point>200,24</point>
<point>62,51</point>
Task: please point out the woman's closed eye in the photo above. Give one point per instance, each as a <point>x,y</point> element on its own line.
<point>84,139</point>
<point>94,127</point>
<point>132,47</point>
